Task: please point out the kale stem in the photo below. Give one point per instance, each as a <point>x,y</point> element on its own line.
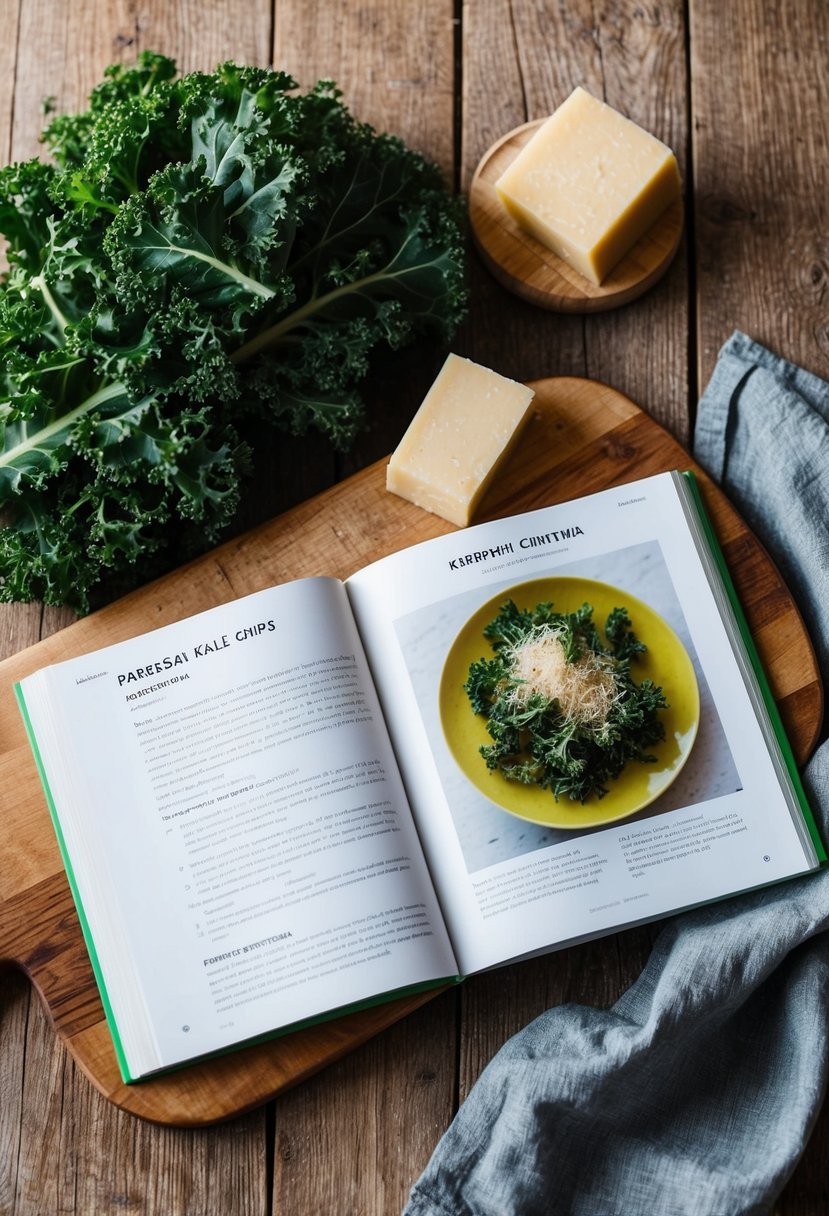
<point>40,283</point>
<point>40,438</point>
<point>269,337</point>
<point>231,272</point>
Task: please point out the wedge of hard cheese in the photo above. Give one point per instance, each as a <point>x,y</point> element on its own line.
<point>465,427</point>
<point>589,184</point>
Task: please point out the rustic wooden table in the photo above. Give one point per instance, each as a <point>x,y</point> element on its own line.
<point>739,91</point>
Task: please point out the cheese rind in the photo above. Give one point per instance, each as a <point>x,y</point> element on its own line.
<point>458,438</point>
<point>589,184</point>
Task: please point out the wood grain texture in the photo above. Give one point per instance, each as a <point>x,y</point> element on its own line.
<point>80,1154</point>
<point>353,1138</point>
<point>760,96</point>
<point>532,271</point>
<point>396,72</point>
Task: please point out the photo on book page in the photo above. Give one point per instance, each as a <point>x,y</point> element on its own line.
<point>502,807</point>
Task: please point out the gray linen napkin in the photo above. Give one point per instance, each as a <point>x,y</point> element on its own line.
<point>694,1095</point>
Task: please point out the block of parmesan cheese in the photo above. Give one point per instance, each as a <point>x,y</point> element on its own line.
<point>589,184</point>
<point>467,423</point>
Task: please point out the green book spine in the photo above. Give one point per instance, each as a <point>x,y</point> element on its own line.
<point>752,654</point>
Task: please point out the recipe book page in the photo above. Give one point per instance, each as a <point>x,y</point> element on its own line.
<point>235,824</point>
<point>517,870</point>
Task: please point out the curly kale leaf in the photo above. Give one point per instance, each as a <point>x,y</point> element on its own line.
<point>130,129</point>
<point>210,259</point>
<point>536,738</point>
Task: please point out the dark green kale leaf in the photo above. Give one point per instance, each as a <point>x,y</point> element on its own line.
<point>210,258</point>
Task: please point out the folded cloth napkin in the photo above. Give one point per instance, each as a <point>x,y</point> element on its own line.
<point>695,1094</point>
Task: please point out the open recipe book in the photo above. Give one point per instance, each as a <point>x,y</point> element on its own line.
<point>511,738</point>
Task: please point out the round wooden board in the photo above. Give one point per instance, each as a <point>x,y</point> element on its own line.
<point>530,270</point>
<point>582,436</point>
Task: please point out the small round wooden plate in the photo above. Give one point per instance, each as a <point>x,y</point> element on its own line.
<point>529,269</point>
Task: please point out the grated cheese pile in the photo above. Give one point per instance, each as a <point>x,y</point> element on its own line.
<point>585,690</point>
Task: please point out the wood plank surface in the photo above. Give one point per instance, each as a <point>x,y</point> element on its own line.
<point>760,97</point>
<point>749,127</point>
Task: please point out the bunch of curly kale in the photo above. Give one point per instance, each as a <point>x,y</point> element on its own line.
<point>205,257</point>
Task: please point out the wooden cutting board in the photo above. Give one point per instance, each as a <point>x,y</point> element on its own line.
<point>582,437</point>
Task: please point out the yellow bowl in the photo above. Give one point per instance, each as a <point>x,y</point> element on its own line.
<point>666,662</point>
